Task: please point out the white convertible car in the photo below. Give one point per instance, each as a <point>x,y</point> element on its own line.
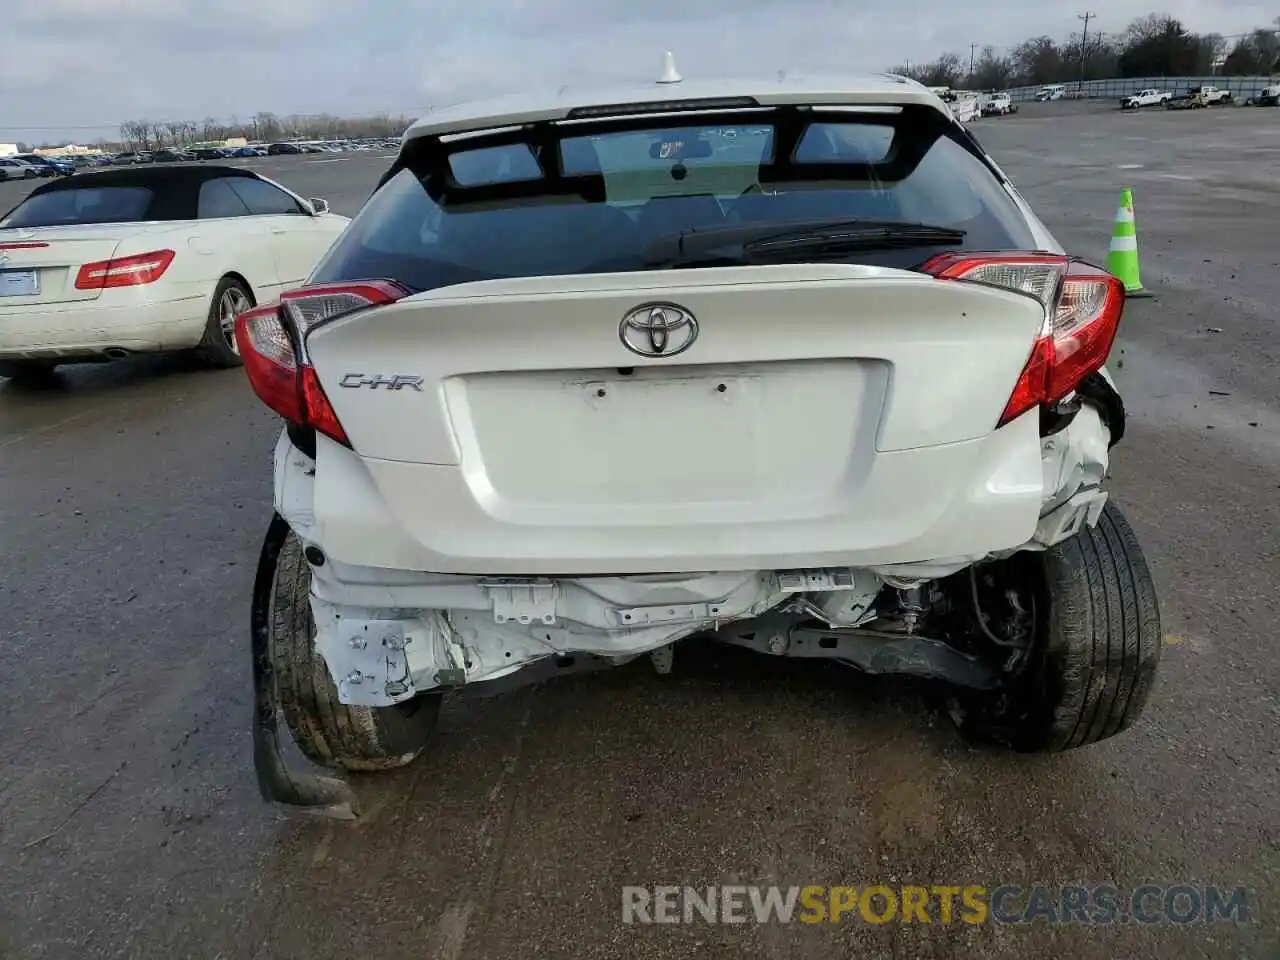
<point>586,377</point>
<point>147,259</point>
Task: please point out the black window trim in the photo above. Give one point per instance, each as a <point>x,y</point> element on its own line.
<point>428,157</point>
<point>423,166</point>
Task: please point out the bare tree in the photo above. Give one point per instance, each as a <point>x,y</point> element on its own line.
<point>943,72</point>
<point>173,131</point>
<point>265,127</point>
<point>136,134</point>
<point>1217,45</point>
<point>1254,55</point>
<point>148,135</point>
<point>991,72</point>
<point>1038,60</point>
<point>1151,27</point>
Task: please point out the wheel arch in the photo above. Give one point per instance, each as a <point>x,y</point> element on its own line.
<point>240,278</point>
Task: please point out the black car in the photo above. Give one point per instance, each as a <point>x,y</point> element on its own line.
<point>279,149</point>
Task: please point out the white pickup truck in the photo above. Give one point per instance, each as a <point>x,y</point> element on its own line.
<point>1213,94</point>
<point>1145,98</point>
<point>1198,97</point>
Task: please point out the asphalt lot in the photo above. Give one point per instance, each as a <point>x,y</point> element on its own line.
<point>133,498</point>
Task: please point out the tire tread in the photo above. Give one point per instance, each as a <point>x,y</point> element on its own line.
<point>1091,672</point>
<point>327,731</point>
<point>1106,627</point>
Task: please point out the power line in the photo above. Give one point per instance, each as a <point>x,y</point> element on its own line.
<point>1084,42</point>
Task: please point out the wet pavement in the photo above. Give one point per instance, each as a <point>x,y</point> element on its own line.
<point>133,498</point>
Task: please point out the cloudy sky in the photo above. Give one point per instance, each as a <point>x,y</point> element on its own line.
<point>76,68</point>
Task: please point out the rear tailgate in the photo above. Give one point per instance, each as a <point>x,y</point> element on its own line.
<point>40,266</point>
<point>849,405</point>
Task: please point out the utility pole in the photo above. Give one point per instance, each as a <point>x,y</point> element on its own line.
<point>972,48</point>
<point>1084,45</point>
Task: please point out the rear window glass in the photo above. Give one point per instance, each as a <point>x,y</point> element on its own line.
<point>638,166</point>
<point>505,164</point>
<point>844,143</point>
<point>645,186</point>
<point>82,205</point>
<point>697,148</point>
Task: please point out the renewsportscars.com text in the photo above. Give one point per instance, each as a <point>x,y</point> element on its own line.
<point>938,904</point>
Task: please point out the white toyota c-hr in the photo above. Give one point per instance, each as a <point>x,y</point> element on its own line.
<point>586,377</point>
<point>148,259</point>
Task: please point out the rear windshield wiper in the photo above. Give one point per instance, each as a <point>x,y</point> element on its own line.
<point>885,237</point>
<point>760,240</point>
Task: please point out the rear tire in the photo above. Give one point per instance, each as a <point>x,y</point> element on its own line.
<point>28,372</point>
<point>327,731</point>
<point>1097,648</point>
<point>218,346</point>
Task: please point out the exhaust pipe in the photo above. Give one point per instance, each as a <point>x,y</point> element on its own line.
<point>116,353</point>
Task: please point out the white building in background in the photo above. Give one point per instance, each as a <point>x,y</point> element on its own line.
<point>70,150</point>
<point>8,149</point>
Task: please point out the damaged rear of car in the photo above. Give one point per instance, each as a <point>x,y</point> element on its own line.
<point>572,389</point>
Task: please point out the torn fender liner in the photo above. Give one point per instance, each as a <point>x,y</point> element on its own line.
<point>303,792</point>
<point>1098,390</point>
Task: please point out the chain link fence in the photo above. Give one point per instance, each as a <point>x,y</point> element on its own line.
<point>1241,87</point>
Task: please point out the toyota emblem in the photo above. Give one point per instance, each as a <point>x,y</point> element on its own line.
<point>658,330</point>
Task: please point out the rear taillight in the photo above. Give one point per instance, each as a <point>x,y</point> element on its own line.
<point>270,336</point>
<point>124,271</point>
<point>1082,306</point>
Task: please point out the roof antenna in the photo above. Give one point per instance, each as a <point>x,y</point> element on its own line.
<point>669,72</point>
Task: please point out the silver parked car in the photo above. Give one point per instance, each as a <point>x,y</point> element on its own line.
<point>11,169</point>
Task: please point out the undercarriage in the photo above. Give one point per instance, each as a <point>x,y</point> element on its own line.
<point>463,631</point>
<point>389,636</point>
<point>1047,646</point>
